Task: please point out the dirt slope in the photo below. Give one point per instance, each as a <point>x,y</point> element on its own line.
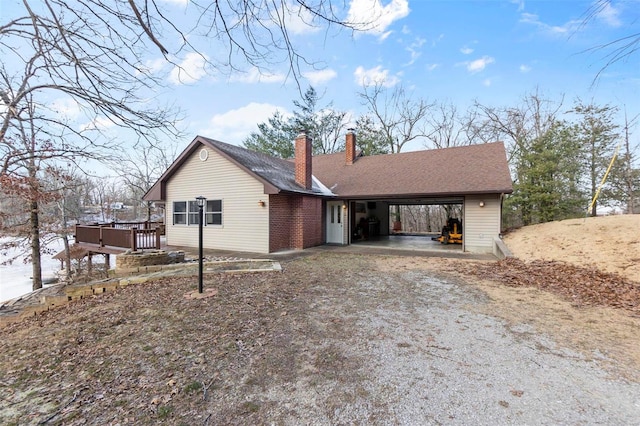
<point>608,243</point>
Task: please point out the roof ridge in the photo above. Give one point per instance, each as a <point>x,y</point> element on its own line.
<point>473,145</point>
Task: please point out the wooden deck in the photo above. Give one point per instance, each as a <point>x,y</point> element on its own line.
<point>112,238</point>
<point>116,237</point>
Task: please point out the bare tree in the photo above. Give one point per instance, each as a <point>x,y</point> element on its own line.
<point>616,50</point>
<point>400,118</point>
<point>92,56</point>
<point>20,176</point>
<point>447,127</point>
<point>141,169</point>
<point>95,52</point>
<point>519,127</point>
<point>624,180</point>
<point>61,53</point>
<point>67,187</point>
<point>516,126</point>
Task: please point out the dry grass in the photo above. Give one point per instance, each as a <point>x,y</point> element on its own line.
<point>146,353</point>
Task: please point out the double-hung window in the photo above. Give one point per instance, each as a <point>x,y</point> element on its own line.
<point>213,215</point>
<point>186,212</point>
<point>193,213</point>
<point>179,212</point>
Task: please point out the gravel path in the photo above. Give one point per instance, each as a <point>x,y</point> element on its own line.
<point>411,349</point>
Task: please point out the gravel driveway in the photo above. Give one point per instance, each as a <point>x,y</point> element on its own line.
<point>421,354</point>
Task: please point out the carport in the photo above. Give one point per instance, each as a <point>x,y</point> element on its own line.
<point>403,223</point>
<point>468,182</point>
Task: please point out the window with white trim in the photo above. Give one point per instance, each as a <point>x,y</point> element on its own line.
<point>186,212</point>
<point>179,212</point>
<point>193,213</point>
<point>213,214</point>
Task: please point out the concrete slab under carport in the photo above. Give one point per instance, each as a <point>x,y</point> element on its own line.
<point>398,245</point>
<point>409,242</point>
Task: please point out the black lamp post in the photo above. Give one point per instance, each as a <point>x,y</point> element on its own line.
<point>201,202</point>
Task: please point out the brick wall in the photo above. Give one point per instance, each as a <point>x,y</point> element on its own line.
<point>350,147</point>
<point>311,223</point>
<point>303,161</point>
<point>279,222</point>
<point>295,222</point>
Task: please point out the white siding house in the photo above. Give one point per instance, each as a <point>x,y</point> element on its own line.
<point>245,223</point>
<point>260,203</point>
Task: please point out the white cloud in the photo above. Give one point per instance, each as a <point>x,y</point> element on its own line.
<point>479,64</point>
<point>65,107</point>
<point>465,50</point>
<point>602,10</point>
<point>375,76</point>
<point>237,124</point>
<point>372,17</point>
<point>99,123</point>
<point>519,3</point>
<point>609,14</point>
<point>191,69</point>
<point>486,82</point>
<point>384,36</point>
<point>153,66</point>
<point>437,40</point>
<point>431,67</point>
<point>566,28</point>
<point>254,75</point>
<point>414,49</point>
<point>319,77</point>
<point>298,20</point>
<point>525,68</point>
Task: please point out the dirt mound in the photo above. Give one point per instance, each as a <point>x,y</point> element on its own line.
<point>607,243</point>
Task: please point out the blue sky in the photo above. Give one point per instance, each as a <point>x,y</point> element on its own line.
<point>460,51</point>
<point>493,51</point>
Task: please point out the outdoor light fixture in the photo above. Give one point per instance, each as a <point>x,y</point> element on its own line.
<point>481,203</point>
<point>201,202</point>
<point>344,207</point>
<point>261,203</point>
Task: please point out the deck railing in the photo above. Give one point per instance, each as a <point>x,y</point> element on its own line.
<point>129,225</point>
<point>130,235</point>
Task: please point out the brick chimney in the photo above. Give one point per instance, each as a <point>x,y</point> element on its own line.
<point>303,160</point>
<point>350,146</point>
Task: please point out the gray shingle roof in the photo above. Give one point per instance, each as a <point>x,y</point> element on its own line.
<point>276,171</point>
<point>276,174</point>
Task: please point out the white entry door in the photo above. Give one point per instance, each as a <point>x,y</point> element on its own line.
<point>335,223</point>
